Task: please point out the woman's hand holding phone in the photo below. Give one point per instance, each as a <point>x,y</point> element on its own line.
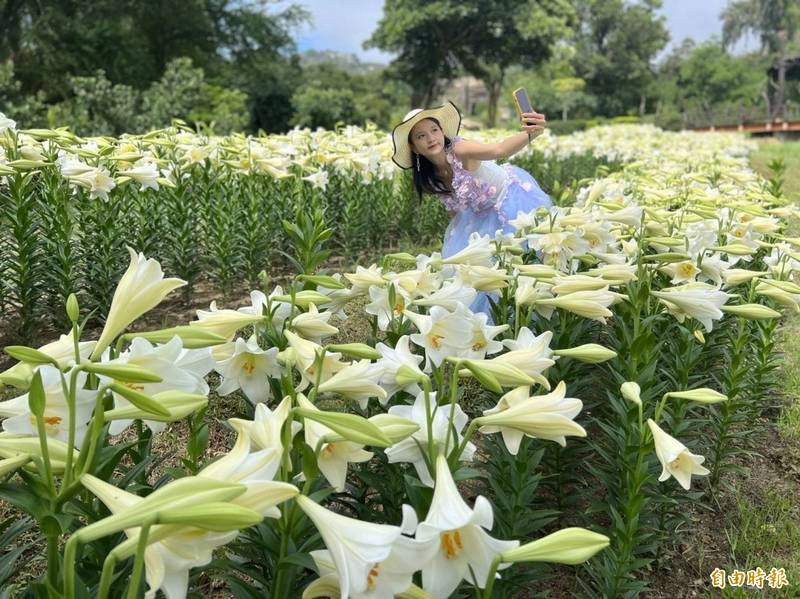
<point>533,123</point>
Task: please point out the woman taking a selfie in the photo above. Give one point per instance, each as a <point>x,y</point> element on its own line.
<point>479,195</point>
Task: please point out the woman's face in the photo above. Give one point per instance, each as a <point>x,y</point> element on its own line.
<point>427,138</point>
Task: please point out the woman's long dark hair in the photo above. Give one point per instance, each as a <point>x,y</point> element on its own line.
<point>425,179</point>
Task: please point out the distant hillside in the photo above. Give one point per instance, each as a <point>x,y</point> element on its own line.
<point>347,62</point>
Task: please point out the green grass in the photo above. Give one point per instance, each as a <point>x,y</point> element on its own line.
<point>764,528</point>
<point>789,152</point>
<point>763,532</point>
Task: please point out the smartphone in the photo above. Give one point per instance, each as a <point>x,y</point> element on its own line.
<point>521,101</point>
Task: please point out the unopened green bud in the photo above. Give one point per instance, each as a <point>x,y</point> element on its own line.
<point>126,373</point>
<point>216,516</point>
<point>175,405</point>
<point>350,426</point>
<point>324,280</point>
<point>590,353</point>
<point>191,337</point>
<point>666,258</point>
<point>484,377</point>
<point>752,311</point>
<point>396,428</point>
<point>702,395</point>
<point>304,298</point>
<point>356,350</point>
<point>631,392</point>
<point>37,400</point>
<point>406,375</point>
<point>568,546</point>
<point>9,465</point>
<point>73,309</point>
<point>143,402</point>
<point>29,355</point>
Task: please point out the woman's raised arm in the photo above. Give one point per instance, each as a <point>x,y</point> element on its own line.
<point>534,124</point>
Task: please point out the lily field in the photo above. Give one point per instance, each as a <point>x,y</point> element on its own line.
<point>239,367</point>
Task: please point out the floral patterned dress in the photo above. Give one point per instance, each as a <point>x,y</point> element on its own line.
<point>483,201</point>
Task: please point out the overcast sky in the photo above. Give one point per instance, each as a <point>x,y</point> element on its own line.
<point>344,24</point>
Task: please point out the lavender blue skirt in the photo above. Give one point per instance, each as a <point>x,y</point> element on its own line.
<point>523,195</point>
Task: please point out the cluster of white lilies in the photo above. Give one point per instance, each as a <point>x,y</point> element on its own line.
<point>697,229</point>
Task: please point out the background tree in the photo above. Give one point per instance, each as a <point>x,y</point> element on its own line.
<point>507,32</point>
<point>425,36</point>
<point>616,44</point>
<point>776,23</point>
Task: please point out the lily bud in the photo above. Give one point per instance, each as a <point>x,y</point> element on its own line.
<point>350,426</point>
<point>396,428</point>
<point>191,337</point>
<point>9,465</point>
<point>37,400</point>
<point>752,311</point>
<point>590,353</point>
<point>29,355</point>
<point>631,391</point>
<point>126,373</point>
<point>140,400</point>
<point>406,375</point>
<point>568,546</point>
<point>304,298</point>
<point>73,309</point>
<point>356,350</point>
<point>667,257</point>
<point>702,395</point>
<point>324,280</point>
<point>175,405</point>
<point>485,378</point>
<point>507,375</point>
<point>216,516</point>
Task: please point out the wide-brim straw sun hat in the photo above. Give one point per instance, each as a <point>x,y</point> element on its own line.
<point>449,118</point>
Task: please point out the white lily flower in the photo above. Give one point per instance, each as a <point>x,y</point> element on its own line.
<point>168,561</point>
<point>56,413</point>
<point>357,381</point>
<point>393,359</point>
<point>364,278</point>
<point>249,369</point>
<point>479,252</point>
<point>333,457</point>
<point>448,296</point>
<point>304,353</point>
<point>517,414</point>
<point>355,547</point>
<point>530,353</point>
<point>696,300</point>
<point>140,289</point>
<point>465,548</point>
<point>145,173</point>
<point>408,450</point>
<point>281,310</point>
<point>264,431</point>
<point>393,575</point>
<point>225,322</point>
<point>676,460</point>
<point>483,334</point>
<point>313,325</point>
<point>442,333</point>
<point>380,304</point>
<point>163,361</point>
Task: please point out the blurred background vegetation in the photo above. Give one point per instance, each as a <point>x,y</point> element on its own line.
<point>114,66</point>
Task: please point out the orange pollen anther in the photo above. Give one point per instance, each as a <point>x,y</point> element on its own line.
<point>373,574</point>
<point>249,366</point>
<point>436,341</point>
<point>135,386</point>
<point>451,543</point>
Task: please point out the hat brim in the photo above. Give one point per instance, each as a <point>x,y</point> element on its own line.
<point>449,118</point>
